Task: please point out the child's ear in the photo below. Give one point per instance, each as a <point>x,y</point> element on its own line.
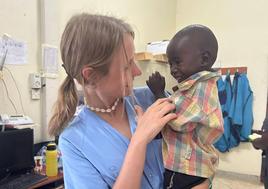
<point>206,58</point>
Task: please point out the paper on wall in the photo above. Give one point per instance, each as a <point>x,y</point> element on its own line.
<point>49,59</point>
<point>15,52</point>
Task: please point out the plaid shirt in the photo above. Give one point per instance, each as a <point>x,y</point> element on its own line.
<point>188,139</point>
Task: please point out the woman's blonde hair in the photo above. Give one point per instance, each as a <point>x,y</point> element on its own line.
<point>88,40</point>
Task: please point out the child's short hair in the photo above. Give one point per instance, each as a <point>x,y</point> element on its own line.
<point>202,36</point>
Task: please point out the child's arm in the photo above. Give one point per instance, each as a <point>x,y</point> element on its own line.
<point>202,114</point>
<point>156,83</point>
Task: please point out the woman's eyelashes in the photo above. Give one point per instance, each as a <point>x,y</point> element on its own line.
<point>129,64</point>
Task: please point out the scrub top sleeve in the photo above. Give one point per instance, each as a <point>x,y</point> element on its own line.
<point>79,173</point>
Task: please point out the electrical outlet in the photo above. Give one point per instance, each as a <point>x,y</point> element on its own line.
<point>35,80</point>
<point>35,94</point>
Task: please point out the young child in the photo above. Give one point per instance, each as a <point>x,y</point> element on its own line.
<point>189,157</point>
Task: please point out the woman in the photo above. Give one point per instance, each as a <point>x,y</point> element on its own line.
<point>110,143</point>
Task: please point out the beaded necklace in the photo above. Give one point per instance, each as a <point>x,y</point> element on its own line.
<point>108,110</point>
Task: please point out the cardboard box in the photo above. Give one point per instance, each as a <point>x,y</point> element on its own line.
<point>157,47</point>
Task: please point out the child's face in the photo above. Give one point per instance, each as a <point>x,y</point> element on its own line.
<point>184,58</point>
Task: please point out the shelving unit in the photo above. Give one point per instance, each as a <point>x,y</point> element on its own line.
<point>145,56</point>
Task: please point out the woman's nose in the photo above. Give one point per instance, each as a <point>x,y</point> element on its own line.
<point>136,71</point>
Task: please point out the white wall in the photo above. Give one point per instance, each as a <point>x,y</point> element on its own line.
<point>242,31</point>
<point>151,19</point>
<point>20,19</point>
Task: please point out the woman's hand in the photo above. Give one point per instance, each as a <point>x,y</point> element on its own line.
<point>151,122</point>
<point>149,125</point>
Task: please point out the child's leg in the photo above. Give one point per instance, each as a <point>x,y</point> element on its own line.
<point>168,179</point>
<point>203,185</point>
<point>175,180</point>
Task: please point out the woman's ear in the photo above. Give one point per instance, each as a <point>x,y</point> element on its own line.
<point>89,75</point>
<point>86,72</point>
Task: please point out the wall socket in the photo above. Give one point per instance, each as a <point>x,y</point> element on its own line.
<point>35,93</point>
<point>35,81</point>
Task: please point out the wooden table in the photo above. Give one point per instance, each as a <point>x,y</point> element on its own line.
<point>49,181</point>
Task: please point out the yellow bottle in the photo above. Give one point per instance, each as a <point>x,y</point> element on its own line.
<point>51,160</point>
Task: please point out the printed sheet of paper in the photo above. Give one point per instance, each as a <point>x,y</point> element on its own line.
<point>13,51</point>
<point>50,59</point>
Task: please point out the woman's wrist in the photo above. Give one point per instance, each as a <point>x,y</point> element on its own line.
<point>133,164</point>
<point>137,140</point>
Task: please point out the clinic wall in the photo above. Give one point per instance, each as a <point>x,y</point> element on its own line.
<point>242,31</point>
<point>152,20</point>
<point>20,19</point>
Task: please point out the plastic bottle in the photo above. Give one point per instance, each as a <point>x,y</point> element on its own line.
<point>51,160</point>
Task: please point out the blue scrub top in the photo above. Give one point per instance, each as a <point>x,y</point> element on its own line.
<point>93,151</point>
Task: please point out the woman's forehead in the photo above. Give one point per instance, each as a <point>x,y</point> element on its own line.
<point>128,43</point>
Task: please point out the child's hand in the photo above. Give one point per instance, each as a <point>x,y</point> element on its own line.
<point>157,84</point>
